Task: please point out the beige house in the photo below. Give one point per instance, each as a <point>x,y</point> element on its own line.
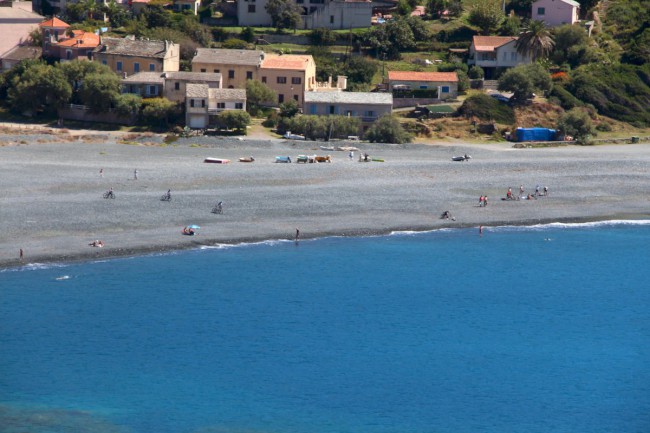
<point>445,83</point>
<point>290,76</point>
<point>203,104</point>
<point>235,66</point>
<point>17,21</point>
<point>556,12</point>
<point>495,52</point>
<point>367,106</point>
<point>171,85</point>
<point>129,55</point>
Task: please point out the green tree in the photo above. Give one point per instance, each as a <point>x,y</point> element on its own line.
<point>322,36</point>
<point>570,43</point>
<point>234,44</point>
<point>158,111</point>
<point>38,87</point>
<point>487,15</point>
<point>524,80</point>
<point>387,129</point>
<point>511,26</point>
<point>76,72</point>
<point>99,91</point>
<point>128,104</point>
<point>234,119</point>
<point>117,15</point>
<point>289,108</point>
<point>157,16</point>
<point>404,8</point>
<point>535,40</point>
<point>285,14</point>
<point>256,94</point>
<point>247,34</point>
<point>359,70</point>
<point>420,29</point>
<point>436,7</point>
<point>390,39</point>
<point>476,72</point>
<point>577,123</point>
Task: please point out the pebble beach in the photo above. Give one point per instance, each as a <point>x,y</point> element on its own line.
<point>51,203</point>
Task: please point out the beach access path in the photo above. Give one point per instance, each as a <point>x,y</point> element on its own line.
<point>51,203</point>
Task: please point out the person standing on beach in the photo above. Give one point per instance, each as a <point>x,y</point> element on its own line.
<point>101,172</point>
<point>351,155</point>
<point>480,201</point>
<point>297,235</point>
<point>521,190</point>
<point>21,254</point>
<point>485,201</point>
<point>135,174</point>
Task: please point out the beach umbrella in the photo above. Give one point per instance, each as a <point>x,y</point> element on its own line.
<point>193,226</point>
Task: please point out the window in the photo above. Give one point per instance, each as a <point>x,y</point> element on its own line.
<point>295,98</point>
<point>505,56</point>
<point>423,87</point>
<point>239,105</point>
<point>332,109</point>
<point>221,105</point>
<point>136,67</point>
<point>191,102</point>
<point>104,62</point>
<point>177,86</point>
<point>231,74</point>
<point>216,71</point>
<point>280,98</point>
<point>369,113</point>
<point>119,66</point>
<point>249,75</point>
<point>152,67</point>
<point>513,56</point>
<point>282,80</point>
<point>312,109</point>
<point>251,9</point>
<point>203,103</point>
<point>203,70</point>
<point>263,79</point>
<point>541,11</point>
<point>296,80</point>
<point>68,54</point>
<point>331,19</point>
<point>153,90</point>
<point>444,89</point>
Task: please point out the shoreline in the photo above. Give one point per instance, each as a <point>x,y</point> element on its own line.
<point>94,255</point>
<point>51,205</point>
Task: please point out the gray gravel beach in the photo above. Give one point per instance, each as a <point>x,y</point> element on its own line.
<point>51,203</point>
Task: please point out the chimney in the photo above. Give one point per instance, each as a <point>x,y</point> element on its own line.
<point>329,81</point>
<point>341,82</point>
<point>123,74</point>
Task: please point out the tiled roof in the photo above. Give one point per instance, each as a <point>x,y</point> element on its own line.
<point>286,61</point>
<point>196,91</point>
<point>490,43</point>
<point>349,98</point>
<point>227,94</point>
<point>145,77</point>
<point>228,57</point>
<point>54,22</point>
<point>81,39</point>
<point>23,52</point>
<point>131,47</point>
<point>194,76</point>
<point>422,76</point>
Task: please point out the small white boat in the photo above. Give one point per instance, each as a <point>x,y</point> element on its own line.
<point>216,160</point>
<point>328,148</point>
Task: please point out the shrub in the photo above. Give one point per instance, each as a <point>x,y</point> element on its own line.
<point>487,109</point>
<point>388,130</point>
<point>577,123</point>
<point>565,99</point>
<point>235,44</point>
<point>476,72</point>
<point>322,36</point>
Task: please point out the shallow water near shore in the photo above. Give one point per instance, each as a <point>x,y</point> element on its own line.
<point>521,329</point>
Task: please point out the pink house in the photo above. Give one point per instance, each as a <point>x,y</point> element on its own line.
<point>556,12</point>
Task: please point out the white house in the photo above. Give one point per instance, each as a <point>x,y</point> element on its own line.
<point>492,52</point>
<point>445,83</point>
<point>331,14</point>
<point>556,12</point>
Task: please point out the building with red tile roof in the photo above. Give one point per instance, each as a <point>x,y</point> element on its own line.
<point>444,83</point>
<point>495,52</point>
<point>290,76</point>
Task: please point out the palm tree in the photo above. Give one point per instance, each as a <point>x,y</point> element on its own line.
<point>536,40</point>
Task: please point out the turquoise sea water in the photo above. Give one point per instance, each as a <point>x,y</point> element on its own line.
<point>523,329</point>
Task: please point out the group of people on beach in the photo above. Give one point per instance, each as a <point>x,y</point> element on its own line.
<point>483,201</point>
<point>523,196</point>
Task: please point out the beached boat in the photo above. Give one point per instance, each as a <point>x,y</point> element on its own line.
<point>322,158</point>
<point>247,159</point>
<point>328,148</point>
<point>283,159</point>
<point>303,159</point>
<point>216,160</point>
<point>288,135</point>
<point>465,157</point>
